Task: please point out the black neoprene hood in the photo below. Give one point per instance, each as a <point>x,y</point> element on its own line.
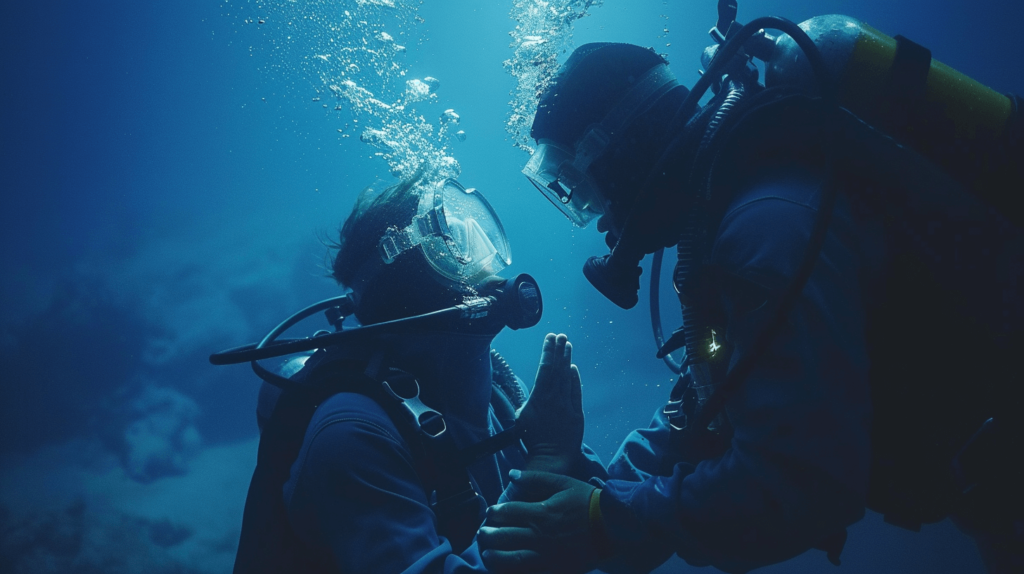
<point>594,78</point>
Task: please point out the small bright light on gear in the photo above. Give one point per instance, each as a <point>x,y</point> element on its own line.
<point>714,346</point>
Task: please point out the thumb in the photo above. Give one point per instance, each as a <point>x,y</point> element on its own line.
<point>576,389</point>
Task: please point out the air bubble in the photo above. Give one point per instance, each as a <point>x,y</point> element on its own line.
<point>449,116</point>
<point>540,36</point>
<point>416,90</point>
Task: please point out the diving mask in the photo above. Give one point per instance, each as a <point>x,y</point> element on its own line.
<point>458,233</point>
<point>562,177</point>
<point>561,174</point>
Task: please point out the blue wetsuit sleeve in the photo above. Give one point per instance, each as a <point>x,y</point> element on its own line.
<point>797,467</point>
<point>356,498</point>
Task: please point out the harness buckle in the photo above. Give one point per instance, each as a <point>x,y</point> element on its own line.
<point>425,420</point>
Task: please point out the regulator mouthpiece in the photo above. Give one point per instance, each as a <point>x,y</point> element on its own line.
<point>519,302</point>
<point>619,283</point>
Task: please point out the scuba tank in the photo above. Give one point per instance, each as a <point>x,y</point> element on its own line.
<point>972,131</point>
<point>874,72</point>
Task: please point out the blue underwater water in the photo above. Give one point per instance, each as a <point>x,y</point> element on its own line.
<point>170,173</point>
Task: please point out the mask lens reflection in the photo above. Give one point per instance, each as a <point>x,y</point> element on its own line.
<point>475,248</point>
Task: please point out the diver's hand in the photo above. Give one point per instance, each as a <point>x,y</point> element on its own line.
<point>553,415</point>
<point>552,534</point>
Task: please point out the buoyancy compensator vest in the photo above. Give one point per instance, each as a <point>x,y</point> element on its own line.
<point>945,316</point>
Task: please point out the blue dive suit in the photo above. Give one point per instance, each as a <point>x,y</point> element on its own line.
<point>899,346</point>
<point>354,501</point>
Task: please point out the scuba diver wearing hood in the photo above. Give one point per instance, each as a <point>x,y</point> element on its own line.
<point>383,444</point>
<point>849,271</point>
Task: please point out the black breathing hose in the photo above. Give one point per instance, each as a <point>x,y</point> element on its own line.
<point>659,336</point>
<point>716,70</point>
<point>733,45</point>
<point>738,373</point>
<point>269,348</point>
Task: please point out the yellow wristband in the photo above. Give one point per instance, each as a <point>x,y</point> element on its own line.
<point>602,545</point>
<point>595,508</point>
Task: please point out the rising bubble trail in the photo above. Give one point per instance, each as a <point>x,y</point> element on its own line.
<point>352,51</point>
<point>543,32</point>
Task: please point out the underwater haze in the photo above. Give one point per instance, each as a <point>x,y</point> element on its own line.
<point>173,170</point>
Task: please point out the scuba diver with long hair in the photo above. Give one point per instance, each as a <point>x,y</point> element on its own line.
<point>383,443</point>
<point>849,267</point>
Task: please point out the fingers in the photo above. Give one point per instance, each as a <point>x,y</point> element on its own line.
<point>534,485</point>
<point>506,538</point>
<point>512,561</point>
<point>561,340</point>
<point>552,351</point>
<point>553,361</point>
<point>518,514</point>
<point>547,349</point>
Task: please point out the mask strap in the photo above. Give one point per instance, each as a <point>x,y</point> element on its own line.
<point>397,241</point>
